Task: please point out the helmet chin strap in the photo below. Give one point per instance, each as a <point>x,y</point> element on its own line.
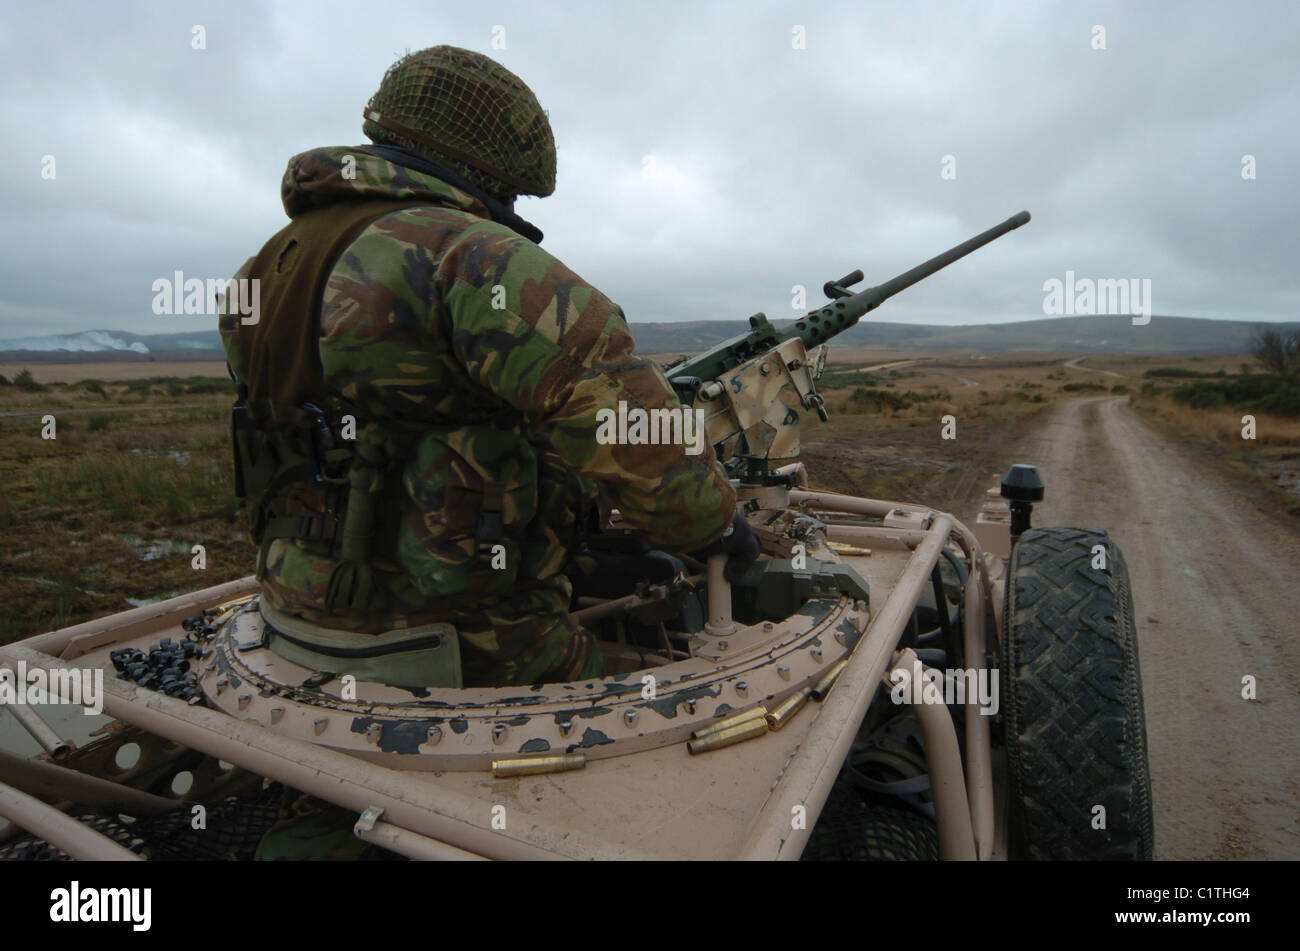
<point>501,212</point>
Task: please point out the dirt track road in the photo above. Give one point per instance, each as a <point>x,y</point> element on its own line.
<point>1216,589</point>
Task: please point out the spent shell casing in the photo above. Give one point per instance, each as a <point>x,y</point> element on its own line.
<point>785,712</point>
<point>744,730</point>
<point>744,716</point>
<point>532,765</point>
<point>823,686</point>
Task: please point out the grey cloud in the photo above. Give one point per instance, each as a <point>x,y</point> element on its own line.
<point>777,166</point>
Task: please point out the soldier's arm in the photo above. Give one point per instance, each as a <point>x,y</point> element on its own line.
<point>530,330</point>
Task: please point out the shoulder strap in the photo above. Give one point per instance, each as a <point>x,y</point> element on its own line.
<point>281,350</point>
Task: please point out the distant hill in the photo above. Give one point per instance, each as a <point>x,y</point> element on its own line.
<point>1118,335</point>
<point>101,346</point>
<point>1173,335</point>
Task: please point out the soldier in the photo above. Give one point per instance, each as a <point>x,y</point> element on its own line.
<point>415,435</point>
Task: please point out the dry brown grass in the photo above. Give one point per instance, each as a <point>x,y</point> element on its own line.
<point>1222,426</point>
<point>104,515</point>
<point>110,371</point>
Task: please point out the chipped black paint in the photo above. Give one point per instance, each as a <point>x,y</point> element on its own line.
<point>459,725</point>
<point>223,664</point>
<point>590,737</point>
<point>520,720</point>
<point>666,706</point>
<point>851,633</point>
<point>584,713</point>
<point>723,709</point>
<point>398,736</point>
<point>537,745</point>
<point>817,608</point>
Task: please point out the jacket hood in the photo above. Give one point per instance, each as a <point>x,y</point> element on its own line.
<point>324,176</point>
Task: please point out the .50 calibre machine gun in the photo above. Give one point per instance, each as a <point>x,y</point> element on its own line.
<point>752,386</point>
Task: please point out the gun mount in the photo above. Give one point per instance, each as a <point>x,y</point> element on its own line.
<point>753,386</point>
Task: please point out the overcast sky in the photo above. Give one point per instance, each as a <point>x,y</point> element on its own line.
<point>776,165</point>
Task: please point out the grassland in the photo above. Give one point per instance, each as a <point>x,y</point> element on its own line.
<point>104,516</point>
<point>1205,401</point>
<point>884,438</point>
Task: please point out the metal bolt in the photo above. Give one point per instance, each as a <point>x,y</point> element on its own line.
<point>816,654</point>
<point>499,733</point>
<point>722,645</point>
<point>565,726</point>
<point>244,700</point>
<point>434,734</point>
<point>840,636</point>
<point>767,625</point>
<point>629,717</point>
<point>690,705</point>
<point>277,714</point>
<point>784,672</point>
<point>742,688</point>
<point>319,726</point>
<point>374,732</point>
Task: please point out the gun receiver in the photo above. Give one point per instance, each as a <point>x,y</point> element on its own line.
<point>753,384</point>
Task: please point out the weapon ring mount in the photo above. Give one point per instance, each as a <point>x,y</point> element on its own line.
<point>467,728</point>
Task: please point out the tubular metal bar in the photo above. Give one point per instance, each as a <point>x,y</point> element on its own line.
<point>45,779</point>
<point>354,784</point>
<point>979,753</point>
<point>138,620</point>
<point>421,848</point>
<point>78,840</point>
<point>609,608</point>
<point>796,469</point>
<point>851,504</point>
<point>874,537</point>
<point>41,731</point>
<point>979,748</point>
<point>943,757</point>
<point>807,780</point>
<point>719,622</point>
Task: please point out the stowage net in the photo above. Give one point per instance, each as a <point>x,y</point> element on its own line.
<point>469,112</point>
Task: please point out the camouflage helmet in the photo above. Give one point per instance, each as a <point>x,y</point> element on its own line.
<point>470,113</point>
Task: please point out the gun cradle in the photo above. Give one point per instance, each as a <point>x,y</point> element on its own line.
<point>759,400</point>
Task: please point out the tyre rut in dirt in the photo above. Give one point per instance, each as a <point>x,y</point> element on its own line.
<point>1074,725</point>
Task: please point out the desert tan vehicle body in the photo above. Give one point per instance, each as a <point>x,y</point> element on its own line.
<point>730,709</point>
<point>631,787</point>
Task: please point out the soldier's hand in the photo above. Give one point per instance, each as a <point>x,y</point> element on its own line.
<point>739,544</point>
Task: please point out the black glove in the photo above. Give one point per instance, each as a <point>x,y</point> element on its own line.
<point>740,544</point>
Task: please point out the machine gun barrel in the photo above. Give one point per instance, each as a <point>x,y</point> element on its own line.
<point>818,326</point>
